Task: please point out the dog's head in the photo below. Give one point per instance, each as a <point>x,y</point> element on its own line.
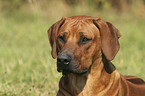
<point>79,40</point>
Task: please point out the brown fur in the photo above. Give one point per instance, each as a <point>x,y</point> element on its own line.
<point>102,78</point>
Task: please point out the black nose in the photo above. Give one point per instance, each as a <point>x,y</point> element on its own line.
<point>63,59</point>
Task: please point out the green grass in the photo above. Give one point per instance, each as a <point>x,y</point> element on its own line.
<point>26,66</point>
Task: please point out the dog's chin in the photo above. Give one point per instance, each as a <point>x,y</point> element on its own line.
<point>80,72</point>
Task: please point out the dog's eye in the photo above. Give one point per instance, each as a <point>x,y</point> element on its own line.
<point>61,38</point>
<point>85,40</point>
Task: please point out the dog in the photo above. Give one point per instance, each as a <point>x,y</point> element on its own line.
<point>84,47</point>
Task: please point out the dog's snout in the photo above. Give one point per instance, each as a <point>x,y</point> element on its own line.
<point>64,59</point>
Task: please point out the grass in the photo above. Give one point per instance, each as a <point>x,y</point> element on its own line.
<point>26,66</point>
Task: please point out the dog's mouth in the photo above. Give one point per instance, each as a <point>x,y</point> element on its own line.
<point>82,72</point>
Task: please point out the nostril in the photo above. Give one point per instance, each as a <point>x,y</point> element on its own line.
<point>66,61</point>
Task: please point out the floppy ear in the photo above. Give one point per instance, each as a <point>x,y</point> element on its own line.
<point>52,32</point>
<point>109,38</point>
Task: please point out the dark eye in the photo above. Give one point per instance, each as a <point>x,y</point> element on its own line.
<point>85,40</point>
<point>61,38</point>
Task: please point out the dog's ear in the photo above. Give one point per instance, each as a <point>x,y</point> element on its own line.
<point>109,38</point>
<point>52,32</point>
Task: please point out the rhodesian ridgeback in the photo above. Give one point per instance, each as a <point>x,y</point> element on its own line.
<point>84,47</point>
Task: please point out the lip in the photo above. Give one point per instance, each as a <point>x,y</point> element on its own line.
<point>81,73</point>
<point>64,72</point>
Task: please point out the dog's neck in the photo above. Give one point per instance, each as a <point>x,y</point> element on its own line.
<point>81,85</point>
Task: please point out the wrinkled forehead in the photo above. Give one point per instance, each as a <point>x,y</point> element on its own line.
<point>76,26</point>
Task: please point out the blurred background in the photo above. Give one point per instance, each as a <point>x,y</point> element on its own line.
<point>26,66</point>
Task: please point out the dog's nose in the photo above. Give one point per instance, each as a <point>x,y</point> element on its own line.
<point>63,59</point>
